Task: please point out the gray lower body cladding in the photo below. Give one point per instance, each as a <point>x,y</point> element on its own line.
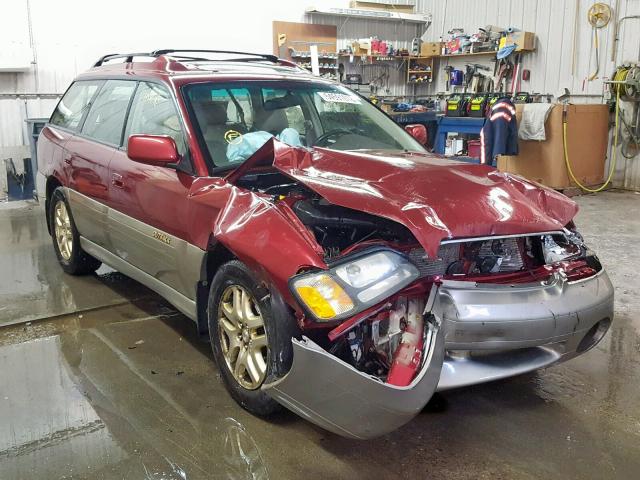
<point>488,331</point>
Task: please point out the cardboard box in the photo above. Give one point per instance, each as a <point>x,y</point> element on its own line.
<point>361,47</point>
<point>525,41</point>
<point>430,49</point>
<point>587,142</point>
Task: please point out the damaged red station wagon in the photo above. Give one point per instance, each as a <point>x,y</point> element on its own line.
<point>338,268</point>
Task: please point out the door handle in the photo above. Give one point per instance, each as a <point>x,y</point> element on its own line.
<point>117,181</point>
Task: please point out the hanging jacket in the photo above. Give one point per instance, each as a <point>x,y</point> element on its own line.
<point>499,136</point>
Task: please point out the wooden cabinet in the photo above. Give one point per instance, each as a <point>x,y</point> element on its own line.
<point>419,70</point>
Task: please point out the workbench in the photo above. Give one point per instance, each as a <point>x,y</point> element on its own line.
<point>469,125</point>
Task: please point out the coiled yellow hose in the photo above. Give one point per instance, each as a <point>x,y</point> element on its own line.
<point>612,168</point>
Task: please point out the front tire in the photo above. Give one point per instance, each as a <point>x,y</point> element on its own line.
<point>66,239</point>
<point>250,343</point>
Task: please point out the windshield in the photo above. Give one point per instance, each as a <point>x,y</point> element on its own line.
<point>235,119</point>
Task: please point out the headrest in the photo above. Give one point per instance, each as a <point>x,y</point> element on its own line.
<point>210,112</point>
<point>273,121</point>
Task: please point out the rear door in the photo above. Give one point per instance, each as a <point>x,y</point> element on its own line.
<point>88,154</point>
<point>148,224</point>
<point>63,125</point>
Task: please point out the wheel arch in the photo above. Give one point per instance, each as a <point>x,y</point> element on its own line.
<point>216,256</point>
<point>51,184</point>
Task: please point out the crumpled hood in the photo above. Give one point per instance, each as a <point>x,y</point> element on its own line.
<point>434,197</point>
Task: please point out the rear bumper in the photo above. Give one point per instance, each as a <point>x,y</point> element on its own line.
<point>497,331</point>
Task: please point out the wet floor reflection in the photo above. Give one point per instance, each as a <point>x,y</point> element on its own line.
<point>32,284</point>
<point>129,392</point>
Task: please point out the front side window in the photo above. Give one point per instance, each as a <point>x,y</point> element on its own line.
<point>236,119</point>
<point>105,120</point>
<point>154,113</point>
<point>74,104</point>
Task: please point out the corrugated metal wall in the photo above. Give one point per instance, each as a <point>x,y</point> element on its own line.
<point>398,34</point>
<point>62,52</point>
<point>565,55</point>
<point>553,67</point>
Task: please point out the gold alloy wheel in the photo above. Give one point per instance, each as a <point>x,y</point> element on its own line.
<point>243,337</point>
<point>62,230</point>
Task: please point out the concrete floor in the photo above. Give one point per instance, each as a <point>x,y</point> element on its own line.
<point>32,285</point>
<point>125,389</point>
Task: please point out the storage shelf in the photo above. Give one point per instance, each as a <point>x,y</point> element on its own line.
<point>452,55</point>
<point>333,56</point>
<point>421,71</point>
<point>371,14</point>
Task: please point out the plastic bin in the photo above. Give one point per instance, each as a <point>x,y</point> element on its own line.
<point>473,148</point>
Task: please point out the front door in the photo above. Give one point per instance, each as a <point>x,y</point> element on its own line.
<point>148,222</point>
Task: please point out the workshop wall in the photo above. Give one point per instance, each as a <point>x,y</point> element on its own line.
<point>398,34</point>
<point>555,65</point>
<point>67,46</point>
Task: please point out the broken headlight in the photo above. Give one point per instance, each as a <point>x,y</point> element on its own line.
<point>558,247</point>
<point>354,285</point>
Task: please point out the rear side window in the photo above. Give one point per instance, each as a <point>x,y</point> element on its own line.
<point>74,104</point>
<point>105,120</point>
<point>154,113</point>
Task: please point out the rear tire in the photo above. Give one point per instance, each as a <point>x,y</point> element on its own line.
<point>255,336</point>
<point>66,239</point>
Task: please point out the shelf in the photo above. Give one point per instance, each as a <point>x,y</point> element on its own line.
<point>321,68</point>
<point>382,58</point>
<point>421,71</point>
<point>453,55</point>
<point>371,14</point>
<point>308,55</point>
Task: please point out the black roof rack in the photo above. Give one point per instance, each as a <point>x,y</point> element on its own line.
<point>128,56</point>
<point>251,56</point>
<point>245,56</point>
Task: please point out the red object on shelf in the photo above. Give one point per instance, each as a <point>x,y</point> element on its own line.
<point>473,148</point>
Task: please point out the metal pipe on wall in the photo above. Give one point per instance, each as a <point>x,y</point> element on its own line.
<point>616,36</point>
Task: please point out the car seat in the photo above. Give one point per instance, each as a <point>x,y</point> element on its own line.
<point>272,121</point>
<point>212,117</point>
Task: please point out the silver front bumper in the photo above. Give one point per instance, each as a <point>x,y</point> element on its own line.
<point>489,332</point>
<point>497,331</point>
<point>345,401</point>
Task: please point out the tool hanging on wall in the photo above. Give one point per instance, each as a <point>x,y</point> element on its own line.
<point>626,85</point>
<point>515,78</point>
<point>504,69</point>
<point>599,15</point>
<point>448,69</point>
<point>474,81</point>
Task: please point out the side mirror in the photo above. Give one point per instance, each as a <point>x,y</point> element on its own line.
<point>417,131</point>
<point>158,150</point>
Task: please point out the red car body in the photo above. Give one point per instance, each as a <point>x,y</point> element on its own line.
<point>436,199</point>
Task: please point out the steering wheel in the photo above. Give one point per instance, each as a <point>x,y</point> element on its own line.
<point>322,139</point>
